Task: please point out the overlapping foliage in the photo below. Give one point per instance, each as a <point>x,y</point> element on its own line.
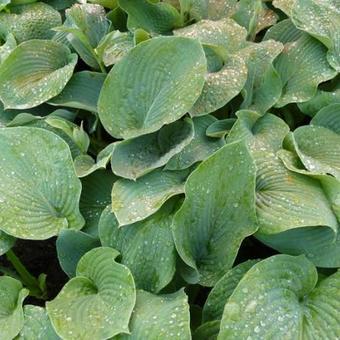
<point>185,156</point>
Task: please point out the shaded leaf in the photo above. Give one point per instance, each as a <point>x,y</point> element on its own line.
<point>6,242</point>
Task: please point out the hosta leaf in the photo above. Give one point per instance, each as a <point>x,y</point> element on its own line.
<point>319,101</point>
<point>160,317</point>
<point>81,92</point>
<point>98,302</point>
<point>87,25</point>
<point>7,43</point>
<point>12,295</point>
<point>32,21</point>
<point>136,157</point>
<point>199,148</point>
<point>133,201</point>
<point>317,244</point>
<point>6,242</point>
<point>210,9</point>
<point>171,85</point>
<point>37,325</point>
<point>34,72</point>
<point>221,87</point>
<point>219,295</point>
<point>254,16</point>
<point>114,47</point>
<point>207,331</point>
<point>318,149</point>
<point>283,31</point>
<point>95,196</point>
<point>146,247</point>
<point>319,18</point>
<point>156,17</point>
<point>263,87</point>
<point>284,199</point>
<point>4,3</point>
<point>39,190</point>
<point>209,215</point>
<point>71,246</point>
<point>220,128</point>
<point>328,117</point>
<point>302,66</point>
<point>278,296</point>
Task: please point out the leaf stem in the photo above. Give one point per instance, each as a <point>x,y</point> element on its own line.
<point>31,282</point>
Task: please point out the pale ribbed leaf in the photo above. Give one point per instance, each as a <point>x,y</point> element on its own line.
<point>210,9</point>
<point>328,117</point>
<point>211,217</point>
<point>32,21</point>
<point>34,72</point>
<point>152,86</point>
<point>284,199</point>
<point>220,128</point>
<point>81,92</point>
<point>95,196</point>
<point>155,17</point>
<point>133,201</point>
<point>319,149</point>
<point>263,87</point>
<point>136,157</point>
<point>71,246</point>
<point>146,247</point>
<point>225,82</point>
<point>12,295</point>
<point>317,244</point>
<point>37,325</point>
<point>199,148</point>
<point>283,31</point>
<point>98,302</point>
<point>160,317</point>
<point>6,242</point>
<point>39,190</point>
<point>320,101</point>
<point>302,66</point>
<point>278,298</point>
<point>321,19</point>
<point>219,295</point>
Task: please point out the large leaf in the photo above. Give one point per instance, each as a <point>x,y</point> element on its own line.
<point>39,190</point>
<point>284,199</point>
<point>146,247</point>
<point>211,217</point>
<point>319,18</point>
<point>98,302</point>
<point>136,157</point>
<point>155,17</point>
<point>302,66</point>
<point>36,325</point>
<point>32,21</point>
<point>263,86</point>
<point>219,295</point>
<point>86,25</point>
<point>328,117</point>
<point>160,317</point>
<point>12,295</point>
<point>7,43</point>
<point>279,298</point>
<point>81,92</point>
<point>133,201</point>
<point>71,246</point>
<point>171,85</point>
<point>34,72</point>
<point>199,148</point>
<point>317,244</point>
<point>95,196</point>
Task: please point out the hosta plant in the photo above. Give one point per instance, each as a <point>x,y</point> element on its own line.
<point>169,169</point>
